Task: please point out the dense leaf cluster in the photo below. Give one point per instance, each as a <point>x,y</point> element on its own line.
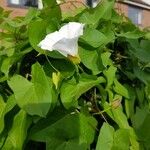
<point>49,102</point>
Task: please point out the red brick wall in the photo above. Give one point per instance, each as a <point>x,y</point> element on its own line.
<point>15,11</point>
<point>123,8</point>
<point>146,18</point>
<point>69,6</point>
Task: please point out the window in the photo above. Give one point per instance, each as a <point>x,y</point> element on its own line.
<point>32,3</point>
<point>92,3</point>
<point>15,2</point>
<point>135,14</point>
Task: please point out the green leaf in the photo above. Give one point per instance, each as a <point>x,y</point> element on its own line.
<point>145,44</point>
<point>120,118</point>
<point>116,17</point>
<point>106,136</point>
<point>141,121</point>
<point>70,132</point>
<point>8,44</point>
<point>117,113</point>
<point>120,89</point>
<point>110,75</point>
<point>91,56</point>
<point>2,105</point>
<point>64,66</point>
<point>140,50</point>
<point>51,14</point>
<point>7,107</point>
<point>140,94</point>
<point>18,133</point>
<point>70,90</point>
<point>147,91</point>
<point>93,37</point>
<point>49,3</point>
<point>132,34</point>
<point>147,35</point>
<point>130,103</point>
<point>7,63</point>
<point>36,97</point>
<point>2,140</point>
<point>142,75</point>
<point>121,140</point>
<point>37,32</point>
<point>106,59</point>
<point>107,30</point>
<point>56,77</point>
<point>109,139</point>
<point>32,13</point>
<point>92,16</point>
<point>55,54</point>
<point>133,140</point>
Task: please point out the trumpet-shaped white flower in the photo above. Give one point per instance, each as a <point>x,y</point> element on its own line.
<point>65,40</point>
<point>40,4</point>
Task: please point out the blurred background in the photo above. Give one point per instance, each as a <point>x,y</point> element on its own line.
<point>137,10</point>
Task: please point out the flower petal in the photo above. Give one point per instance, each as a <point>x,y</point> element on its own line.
<point>65,40</point>
<point>50,40</point>
<point>72,29</point>
<point>67,46</point>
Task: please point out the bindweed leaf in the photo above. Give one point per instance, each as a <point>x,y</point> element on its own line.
<point>73,136</point>
<point>18,132</point>
<point>36,97</point>
<point>71,91</point>
<point>106,137</point>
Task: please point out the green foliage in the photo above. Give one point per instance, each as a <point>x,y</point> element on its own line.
<point>73,136</point>
<point>36,97</point>
<point>48,102</point>
<point>18,132</point>
<point>105,139</point>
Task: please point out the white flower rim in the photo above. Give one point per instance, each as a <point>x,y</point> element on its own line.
<point>65,40</point>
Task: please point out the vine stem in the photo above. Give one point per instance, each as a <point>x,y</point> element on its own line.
<point>101,112</point>
<point>80,68</point>
<point>50,63</point>
<point>98,108</point>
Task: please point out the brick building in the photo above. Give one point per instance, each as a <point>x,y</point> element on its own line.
<point>137,10</point>
<point>12,5</point>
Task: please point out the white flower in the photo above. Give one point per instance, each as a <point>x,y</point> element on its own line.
<point>65,40</point>
<point>40,4</point>
<point>59,1</point>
